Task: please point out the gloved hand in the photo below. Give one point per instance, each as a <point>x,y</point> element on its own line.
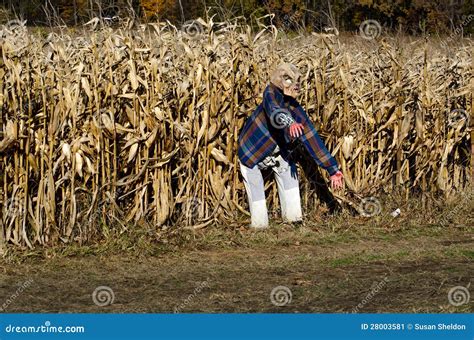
<point>296,130</point>
<point>336,180</point>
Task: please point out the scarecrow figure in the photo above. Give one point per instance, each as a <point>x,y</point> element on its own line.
<point>267,140</point>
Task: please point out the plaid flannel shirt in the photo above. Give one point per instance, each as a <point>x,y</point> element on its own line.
<point>268,125</point>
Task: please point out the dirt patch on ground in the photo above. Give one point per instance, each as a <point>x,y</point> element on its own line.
<point>365,275</point>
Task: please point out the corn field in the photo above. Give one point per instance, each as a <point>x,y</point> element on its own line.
<point>141,124</point>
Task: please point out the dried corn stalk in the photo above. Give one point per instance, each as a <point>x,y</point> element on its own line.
<point>140,125</point>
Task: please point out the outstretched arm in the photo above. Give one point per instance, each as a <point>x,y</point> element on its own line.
<point>318,151</point>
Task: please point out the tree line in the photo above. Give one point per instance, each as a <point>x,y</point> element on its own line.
<point>408,16</point>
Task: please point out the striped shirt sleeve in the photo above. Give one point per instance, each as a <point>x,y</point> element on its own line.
<point>315,145</point>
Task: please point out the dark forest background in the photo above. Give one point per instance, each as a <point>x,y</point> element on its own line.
<point>407,16</point>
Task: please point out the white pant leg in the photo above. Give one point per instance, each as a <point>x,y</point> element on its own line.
<point>254,185</point>
<point>288,190</point>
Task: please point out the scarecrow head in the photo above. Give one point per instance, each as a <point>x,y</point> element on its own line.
<point>287,78</point>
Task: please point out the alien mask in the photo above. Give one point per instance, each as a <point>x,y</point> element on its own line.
<point>287,78</point>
